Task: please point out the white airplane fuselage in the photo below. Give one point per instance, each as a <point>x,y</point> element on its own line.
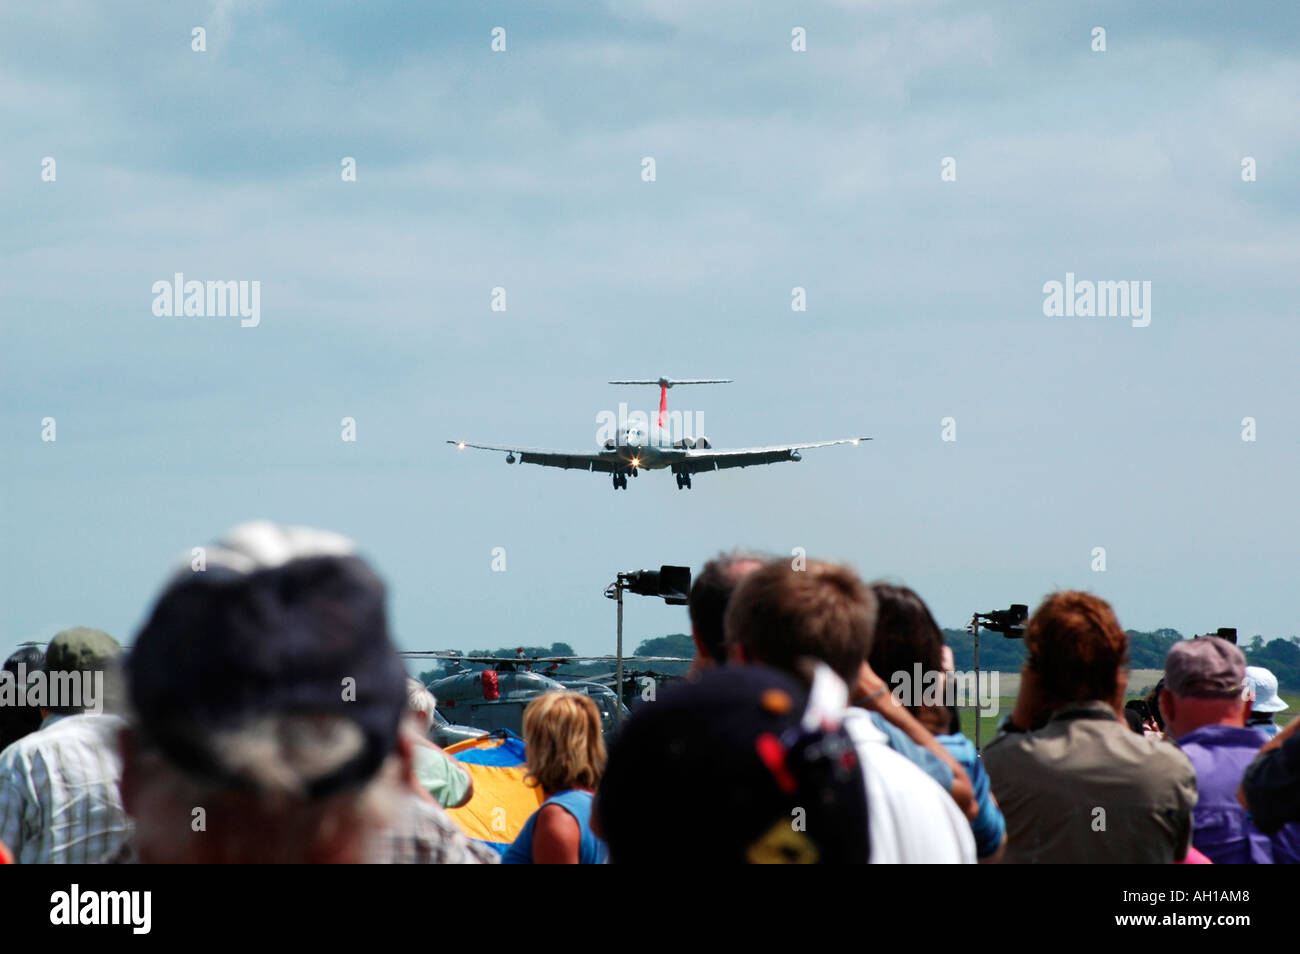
<point>629,444</point>
<point>650,449</point>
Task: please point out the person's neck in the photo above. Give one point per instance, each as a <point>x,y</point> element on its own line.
<point>1118,709</point>
<point>547,793</point>
<point>1229,721</point>
<point>1185,729</point>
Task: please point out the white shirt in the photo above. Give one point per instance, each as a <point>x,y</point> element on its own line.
<point>59,798</point>
<point>911,819</point>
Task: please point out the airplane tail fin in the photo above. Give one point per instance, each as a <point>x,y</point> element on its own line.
<point>666,383</point>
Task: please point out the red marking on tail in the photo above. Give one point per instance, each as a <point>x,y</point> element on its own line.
<point>663,403</point>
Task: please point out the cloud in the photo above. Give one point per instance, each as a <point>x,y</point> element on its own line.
<point>522,169</point>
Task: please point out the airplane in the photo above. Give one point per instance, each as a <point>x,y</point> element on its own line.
<point>639,448</point>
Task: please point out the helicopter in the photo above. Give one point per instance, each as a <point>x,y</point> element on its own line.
<point>472,703</point>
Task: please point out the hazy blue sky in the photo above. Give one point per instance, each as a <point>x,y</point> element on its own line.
<point>775,169</point>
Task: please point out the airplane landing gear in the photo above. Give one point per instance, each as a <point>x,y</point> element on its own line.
<point>620,481</point>
<point>683,481</point>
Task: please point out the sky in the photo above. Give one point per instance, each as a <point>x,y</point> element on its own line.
<point>775,169</point>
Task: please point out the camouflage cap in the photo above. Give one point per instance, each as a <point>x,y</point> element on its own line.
<point>81,650</point>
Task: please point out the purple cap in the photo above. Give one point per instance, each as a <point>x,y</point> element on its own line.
<point>1205,666</point>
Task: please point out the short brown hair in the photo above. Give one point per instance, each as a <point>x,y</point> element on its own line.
<point>711,592</point>
<point>779,615</point>
<point>1076,648</point>
<point>562,741</point>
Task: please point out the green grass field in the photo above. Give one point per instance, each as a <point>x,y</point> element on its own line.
<point>989,724</point>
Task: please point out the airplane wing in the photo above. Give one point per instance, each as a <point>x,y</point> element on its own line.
<point>548,458</point>
<point>697,461</point>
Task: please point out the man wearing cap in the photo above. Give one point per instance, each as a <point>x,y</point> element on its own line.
<point>266,700</point>
<point>59,798</point>
<point>1205,708</point>
<point>743,765</point>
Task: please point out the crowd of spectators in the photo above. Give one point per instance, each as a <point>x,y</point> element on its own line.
<point>263,714</point>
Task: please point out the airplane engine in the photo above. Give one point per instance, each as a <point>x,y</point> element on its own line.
<point>702,443</point>
<point>609,445</point>
<point>510,458</point>
<point>684,444</point>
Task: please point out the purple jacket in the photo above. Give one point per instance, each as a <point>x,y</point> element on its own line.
<point>1221,828</point>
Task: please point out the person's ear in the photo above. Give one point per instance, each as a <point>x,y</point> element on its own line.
<point>1121,689</point>
<point>1166,705</point>
<point>405,752</point>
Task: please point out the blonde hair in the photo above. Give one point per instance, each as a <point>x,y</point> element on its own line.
<point>563,742</point>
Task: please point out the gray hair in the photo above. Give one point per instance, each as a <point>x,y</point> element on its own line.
<point>269,819</point>
<point>420,702</point>
<point>282,755</point>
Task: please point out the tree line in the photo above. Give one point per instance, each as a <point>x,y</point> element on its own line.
<point>1147,650</point>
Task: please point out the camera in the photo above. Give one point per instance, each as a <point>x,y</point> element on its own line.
<point>673,583</point>
<point>1225,632</point>
<point>1141,707</point>
<point>1010,622</point>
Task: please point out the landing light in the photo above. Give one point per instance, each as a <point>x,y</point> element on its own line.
<point>855,442</point>
<point>460,445</point>
<point>636,461</point>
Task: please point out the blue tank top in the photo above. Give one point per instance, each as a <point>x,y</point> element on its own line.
<point>591,850</point>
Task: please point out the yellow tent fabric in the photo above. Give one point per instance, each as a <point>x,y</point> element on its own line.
<point>502,803</point>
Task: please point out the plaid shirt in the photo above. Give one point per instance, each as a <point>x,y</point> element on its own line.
<point>424,834</point>
<point>59,798</point>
